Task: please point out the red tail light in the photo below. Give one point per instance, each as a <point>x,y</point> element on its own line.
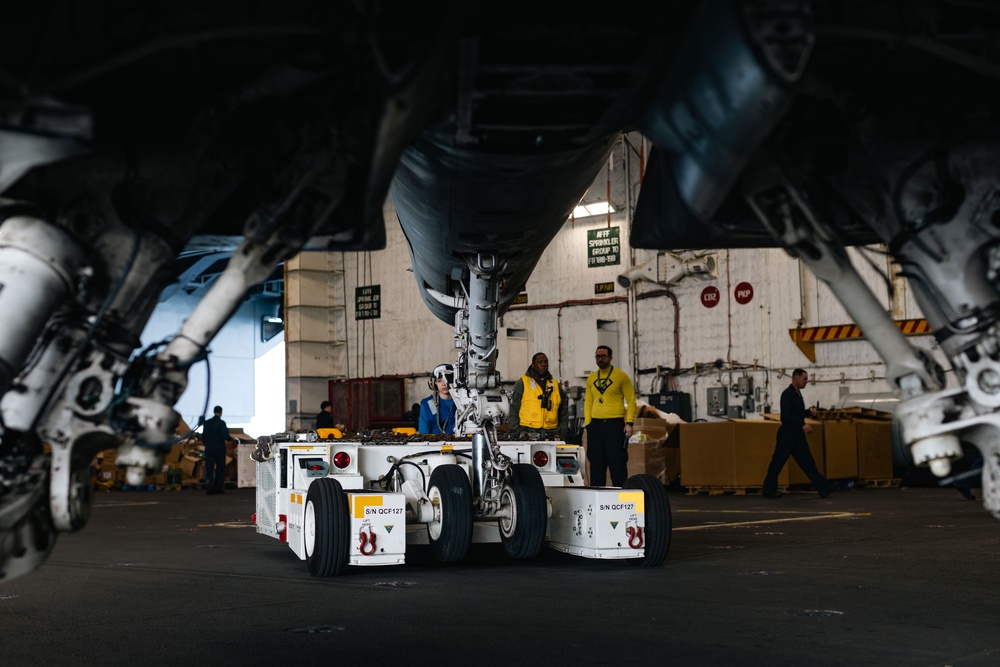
<point>341,460</point>
<point>540,459</point>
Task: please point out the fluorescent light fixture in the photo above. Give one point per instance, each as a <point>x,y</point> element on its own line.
<point>273,320</point>
<point>597,208</point>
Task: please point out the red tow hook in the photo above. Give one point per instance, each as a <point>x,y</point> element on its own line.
<point>635,537</point>
<point>367,543</point>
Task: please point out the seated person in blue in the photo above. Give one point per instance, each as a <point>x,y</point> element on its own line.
<point>437,411</point>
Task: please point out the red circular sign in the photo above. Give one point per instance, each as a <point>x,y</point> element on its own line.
<point>710,296</point>
<point>743,293</point>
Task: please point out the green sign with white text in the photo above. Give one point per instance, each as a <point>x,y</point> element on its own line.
<point>368,302</point>
<point>603,247</point>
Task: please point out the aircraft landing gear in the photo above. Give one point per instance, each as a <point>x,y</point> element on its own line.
<point>512,494</point>
<point>941,232</point>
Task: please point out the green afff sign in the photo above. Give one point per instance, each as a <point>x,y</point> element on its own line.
<point>603,247</point>
<point>368,302</point>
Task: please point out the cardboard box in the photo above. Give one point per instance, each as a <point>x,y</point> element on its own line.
<point>648,458</point>
<point>192,468</point>
<point>732,453</point>
<point>241,436</point>
<point>707,455</point>
<point>653,427</point>
<point>659,458</point>
<point>840,449</point>
<point>175,454</point>
<point>874,449</point>
<point>753,442</point>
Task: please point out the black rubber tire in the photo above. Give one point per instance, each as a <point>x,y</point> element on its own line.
<point>325,524</point>
<point>451,536</point>
<point>659,524</point>
<point>523,534</point>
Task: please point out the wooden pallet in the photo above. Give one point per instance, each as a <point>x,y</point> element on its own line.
<point>880,483</point>
<point>721,490</point>
<point>852,413</point>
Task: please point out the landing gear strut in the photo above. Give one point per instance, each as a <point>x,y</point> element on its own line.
<point>942,235</point>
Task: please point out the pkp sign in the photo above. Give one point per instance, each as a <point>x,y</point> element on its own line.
<point>710,296</point>
<point>743,293</point>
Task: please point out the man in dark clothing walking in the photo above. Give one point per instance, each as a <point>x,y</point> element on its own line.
<point>791,440</point>
<point>214,436</point>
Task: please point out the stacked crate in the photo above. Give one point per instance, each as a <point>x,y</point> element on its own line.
<point>732,456</point>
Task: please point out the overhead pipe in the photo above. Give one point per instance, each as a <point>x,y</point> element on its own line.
<point>607,300</point>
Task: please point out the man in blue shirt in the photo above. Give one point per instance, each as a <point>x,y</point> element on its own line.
<point>214,436</point>
<point>437,411</point>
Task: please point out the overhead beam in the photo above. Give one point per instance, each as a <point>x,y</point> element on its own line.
<point>805,338</point>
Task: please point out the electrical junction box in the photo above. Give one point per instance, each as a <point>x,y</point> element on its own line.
<point>744,385</point>
<point>718,401</point>
<point>677,402</point>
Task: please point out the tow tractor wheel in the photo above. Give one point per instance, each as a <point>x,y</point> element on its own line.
<point>326,524</point>
<point>522,498</point>
<point>656,534</point>
<point>450,532</point>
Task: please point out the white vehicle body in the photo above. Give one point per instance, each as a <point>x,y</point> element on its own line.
<point>391,504</point>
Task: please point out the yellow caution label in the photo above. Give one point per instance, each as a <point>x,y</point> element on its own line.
<point>360,502</point>
<point>637,497</point>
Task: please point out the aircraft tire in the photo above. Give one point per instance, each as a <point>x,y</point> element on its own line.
<point>451,534</point>
<point>659,524</point>
<point>325,528</point>
<point>523,496</point>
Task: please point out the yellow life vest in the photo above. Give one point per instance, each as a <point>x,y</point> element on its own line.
<point>531,414</point>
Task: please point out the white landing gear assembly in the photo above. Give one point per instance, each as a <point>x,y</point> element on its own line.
<point>360,502</point>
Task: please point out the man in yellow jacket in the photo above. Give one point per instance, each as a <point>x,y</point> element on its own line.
<point>608,412</point>
<point>538,404</point>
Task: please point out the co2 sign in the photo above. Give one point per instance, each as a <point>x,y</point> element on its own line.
<point>743,293</point>
<point>710,296</point>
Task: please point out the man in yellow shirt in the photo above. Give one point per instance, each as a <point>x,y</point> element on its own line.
<point>608,412</point>
<point>537,404</point>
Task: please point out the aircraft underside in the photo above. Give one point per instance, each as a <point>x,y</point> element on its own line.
<point>131,135</point>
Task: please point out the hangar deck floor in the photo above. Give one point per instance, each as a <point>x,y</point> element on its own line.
<point>897,576</point>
